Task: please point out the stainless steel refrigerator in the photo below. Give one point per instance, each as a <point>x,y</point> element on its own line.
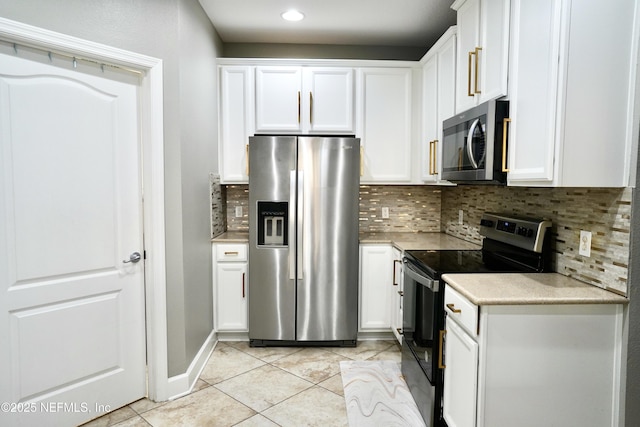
<point>303,240</point>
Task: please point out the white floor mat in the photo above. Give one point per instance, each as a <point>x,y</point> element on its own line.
<point>377,395</point>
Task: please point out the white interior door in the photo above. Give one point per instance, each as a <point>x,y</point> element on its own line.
<point>71,310</point>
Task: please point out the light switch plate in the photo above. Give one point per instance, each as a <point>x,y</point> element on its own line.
<point>385,213</point>
<point>238,211</point>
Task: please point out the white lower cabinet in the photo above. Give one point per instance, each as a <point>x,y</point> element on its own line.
<point>230,287</point>
<point>531,365</point>
<point>376,276</point>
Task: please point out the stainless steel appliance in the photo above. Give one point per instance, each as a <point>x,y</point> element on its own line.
<point>303,240</point>
<point>474,144</point>
<point>510,245</point>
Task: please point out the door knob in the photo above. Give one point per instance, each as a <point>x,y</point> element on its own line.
<point>134,257</point>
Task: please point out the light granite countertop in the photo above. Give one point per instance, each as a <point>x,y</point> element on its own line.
<point>232,237</point>
<point>403,241</point>
<point>417,241</point>
<point>528,288</point>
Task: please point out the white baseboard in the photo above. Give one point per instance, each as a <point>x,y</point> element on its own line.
<point>181,385</point>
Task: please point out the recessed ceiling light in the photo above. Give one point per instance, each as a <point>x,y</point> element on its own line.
<point>292,15</point>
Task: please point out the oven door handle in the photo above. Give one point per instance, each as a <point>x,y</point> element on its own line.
<point>427,282</point>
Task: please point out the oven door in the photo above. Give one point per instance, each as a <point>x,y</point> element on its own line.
<point>422,313</point>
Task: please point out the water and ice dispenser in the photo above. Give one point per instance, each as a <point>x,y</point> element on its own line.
<point>272,224</point>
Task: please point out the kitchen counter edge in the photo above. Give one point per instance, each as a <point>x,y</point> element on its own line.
<point>528,289</point>
<point>406,241</point>
<point>232,237</point>
<point>402,240</point>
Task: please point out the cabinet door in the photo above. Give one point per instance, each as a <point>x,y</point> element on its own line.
<point>430,136</point>
<point>236,122</point>
<point>438,103</point>
<point>384,114</point>
<point>375,287</point>
<point>494,56</point>
<point>278,99</point>
<point>460,377</point>
<point>533,81</point>
<point>328,100</point>
<point>468,20</point>
<point>483,51</point>
<point>397,294</point>
<point>231,296</point>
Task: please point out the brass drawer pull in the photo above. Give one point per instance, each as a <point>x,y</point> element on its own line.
<point>441,340</point>
<point>453,308</point>
<point>231,253</point>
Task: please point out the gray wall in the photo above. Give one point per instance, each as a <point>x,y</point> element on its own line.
<point>632,411</point>
<point>178,32</point>
<point>315,51</point>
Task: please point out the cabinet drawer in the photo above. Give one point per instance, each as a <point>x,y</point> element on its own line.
<point>231,252</point>
<point>458,307</point>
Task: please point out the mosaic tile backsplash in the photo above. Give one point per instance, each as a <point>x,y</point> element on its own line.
<point>604,212</point>
<point>411,208</point>
<point>218,206</point>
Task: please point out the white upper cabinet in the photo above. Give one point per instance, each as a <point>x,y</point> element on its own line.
<point>438,102</point>
<point>572,89</point>
<point>330,96</point>
<point>236,122</point>
<point>384,112</point>
<point>483,49</point>
<point>293,99</point>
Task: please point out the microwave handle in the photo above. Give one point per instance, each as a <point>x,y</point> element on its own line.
<point>469,140</point>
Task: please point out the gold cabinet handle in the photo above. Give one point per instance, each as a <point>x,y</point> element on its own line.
<point>504,143</point>
<point>433,158</point>
<point>395,261</point>
<point>469,93</point>
<point>361,160</point>
<point>246,161</point>
<point>430,157</point>
<point>453,308</point>
<point>298,106</point>
<point>243,286</point>
<point>477,55</point>
<point>310,107</point>
<point>441,340</point>
<point>230,253</point>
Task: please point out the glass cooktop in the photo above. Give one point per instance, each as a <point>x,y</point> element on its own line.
<point>435,263</point>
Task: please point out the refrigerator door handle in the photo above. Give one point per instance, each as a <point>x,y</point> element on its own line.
<point>292,224</point>
<point>300,222</point>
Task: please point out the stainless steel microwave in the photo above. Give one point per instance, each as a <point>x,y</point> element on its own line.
<point>474,144</point>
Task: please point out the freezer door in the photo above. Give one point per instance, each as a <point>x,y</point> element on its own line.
<point>272,293</point>
<point>328,207</point>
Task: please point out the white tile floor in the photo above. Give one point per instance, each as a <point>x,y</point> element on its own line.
<point>273,386</point>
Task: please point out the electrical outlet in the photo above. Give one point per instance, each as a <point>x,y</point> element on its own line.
<point>585,243</point>
<point>460,217</point>
<point>238,211</point>
<point>385,213</point>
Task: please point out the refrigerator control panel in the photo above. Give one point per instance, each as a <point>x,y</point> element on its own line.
<point>273,223</point>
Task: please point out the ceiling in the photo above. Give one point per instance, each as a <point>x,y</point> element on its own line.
<point>417,23</point>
